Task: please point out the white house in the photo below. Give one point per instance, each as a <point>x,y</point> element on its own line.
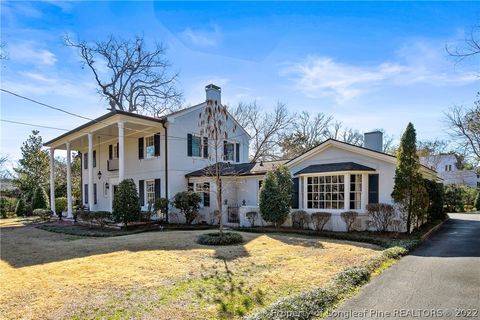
<point>167,155</point>
<point>447,167</point>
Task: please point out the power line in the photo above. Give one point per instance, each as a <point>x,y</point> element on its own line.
<point>79,116</point>
<point>32,125</point>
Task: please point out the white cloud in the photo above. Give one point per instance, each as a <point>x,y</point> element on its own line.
<point>203,38</point>
<point>27,52</point>
<point>318,76</point>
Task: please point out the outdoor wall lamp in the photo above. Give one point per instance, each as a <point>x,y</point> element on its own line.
<point>99,174</point>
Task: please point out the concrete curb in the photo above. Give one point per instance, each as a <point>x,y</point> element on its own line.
<point>431,231</point>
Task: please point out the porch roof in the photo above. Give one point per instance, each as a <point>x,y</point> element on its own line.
<point>332,167</point>
<point>237,169</point>
<point>100,120</point>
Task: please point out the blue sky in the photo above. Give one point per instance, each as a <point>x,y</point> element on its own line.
<point>368,64</point>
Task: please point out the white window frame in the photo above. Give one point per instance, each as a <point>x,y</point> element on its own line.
<point>114,151</point>
<point>200,149</point>
<point>356,191</point>
<point>325,185</point>
<point>233,143</point>
<point>149,184</point>
<point>199,188</point>
<point>147,140</point>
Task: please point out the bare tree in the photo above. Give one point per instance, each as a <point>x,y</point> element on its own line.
<point>470,48</point>
<point>464,126</point>
<point>307,131</point>
<point>136,78</point>
<point>345,134</point>
<point>214,125</point>
<point>265,128</point>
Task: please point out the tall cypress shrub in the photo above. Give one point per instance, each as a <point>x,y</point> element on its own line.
<point>408,180</point>
<point>275,196</point>
<point>40,199</point>
<point>126,204</point>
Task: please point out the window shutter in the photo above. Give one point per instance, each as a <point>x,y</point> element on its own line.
<point>205,147</point>
<point>237,152</point>
<point>189,145</point>
<point>157,189</point>
<point>85,193</point>
<point>140,148</point>
<point>118,150</point>
<point>190,186</point>
<point>206,194</point>
<point>156,143</point>
<point>373,188</point>
<point>94,193</point>
<point>110,152</point>
<point>94,158</point>
<point>295,193</point>
<point>224,150</point>
<point>141,192</point>
<point>85,160</point>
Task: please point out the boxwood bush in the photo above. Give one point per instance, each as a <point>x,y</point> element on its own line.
<point>219,239</point>
<point>395,252</point>
<point>44,214</point>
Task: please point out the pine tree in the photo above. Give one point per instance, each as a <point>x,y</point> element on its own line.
<point>407,174</point>
<point>126,204</point>
<point>40,199</point>
<point>33,169</point>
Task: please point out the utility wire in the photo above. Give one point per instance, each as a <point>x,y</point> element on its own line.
<point>79,116</point>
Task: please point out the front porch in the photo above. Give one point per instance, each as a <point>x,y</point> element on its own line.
<point>109,148</point>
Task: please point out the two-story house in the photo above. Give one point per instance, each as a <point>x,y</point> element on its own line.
<point>167,155</point>
<point>446,166</point>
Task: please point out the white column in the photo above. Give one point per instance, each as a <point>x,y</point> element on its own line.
<point>121,152</point>
<point>90,171</point>
<point>69,182</point>
<point>364,191</point>
<point>52,180</point>
<point>347,191</point>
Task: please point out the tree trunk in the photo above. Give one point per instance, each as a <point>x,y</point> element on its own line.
<point>219,199</point>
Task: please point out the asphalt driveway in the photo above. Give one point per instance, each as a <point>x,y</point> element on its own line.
<point>439,280</point>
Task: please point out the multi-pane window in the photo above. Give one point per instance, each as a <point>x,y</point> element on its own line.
<point>196,146</point>
<point>326,192</point>
<point>115,151</point>
<point>355,191</point>
<point>150,191</point>
<point>230,151</point>
<point>149,147</point>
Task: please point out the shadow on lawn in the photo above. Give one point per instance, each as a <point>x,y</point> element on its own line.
<point>22,247</point>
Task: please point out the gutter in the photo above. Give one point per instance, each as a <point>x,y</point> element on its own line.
<point>166,167</point>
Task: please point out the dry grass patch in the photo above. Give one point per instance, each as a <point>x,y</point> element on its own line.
<point>160,275</point>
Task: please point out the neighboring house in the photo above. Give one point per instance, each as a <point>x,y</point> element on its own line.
<point>446,166</point>
<point>167,155</point>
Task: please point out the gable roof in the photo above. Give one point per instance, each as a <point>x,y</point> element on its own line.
<point>332,167</point>
<point>237,169</point>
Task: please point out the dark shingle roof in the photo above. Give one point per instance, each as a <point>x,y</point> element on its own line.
<point>237,169</point>
<point>332,167</point>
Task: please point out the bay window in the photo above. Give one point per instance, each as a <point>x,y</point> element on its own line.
<point>326,192</point>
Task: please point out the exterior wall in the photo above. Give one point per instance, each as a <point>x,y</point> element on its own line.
<point>386,170</point>
<point>446,166</point>
<point>179,164</point>
<point>136,169</point>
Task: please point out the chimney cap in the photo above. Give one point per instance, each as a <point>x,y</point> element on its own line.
<point>212,86</point>
<point>374,131</point>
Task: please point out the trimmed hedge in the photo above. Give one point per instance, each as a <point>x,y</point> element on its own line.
<point>395,252</point>
<point>98,217</point>
<point>220,239</point>
<point>44,214</point>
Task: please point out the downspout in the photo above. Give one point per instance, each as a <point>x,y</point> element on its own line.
<point>166,167</point>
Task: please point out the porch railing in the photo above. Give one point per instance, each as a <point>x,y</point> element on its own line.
<point>112,165</point>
